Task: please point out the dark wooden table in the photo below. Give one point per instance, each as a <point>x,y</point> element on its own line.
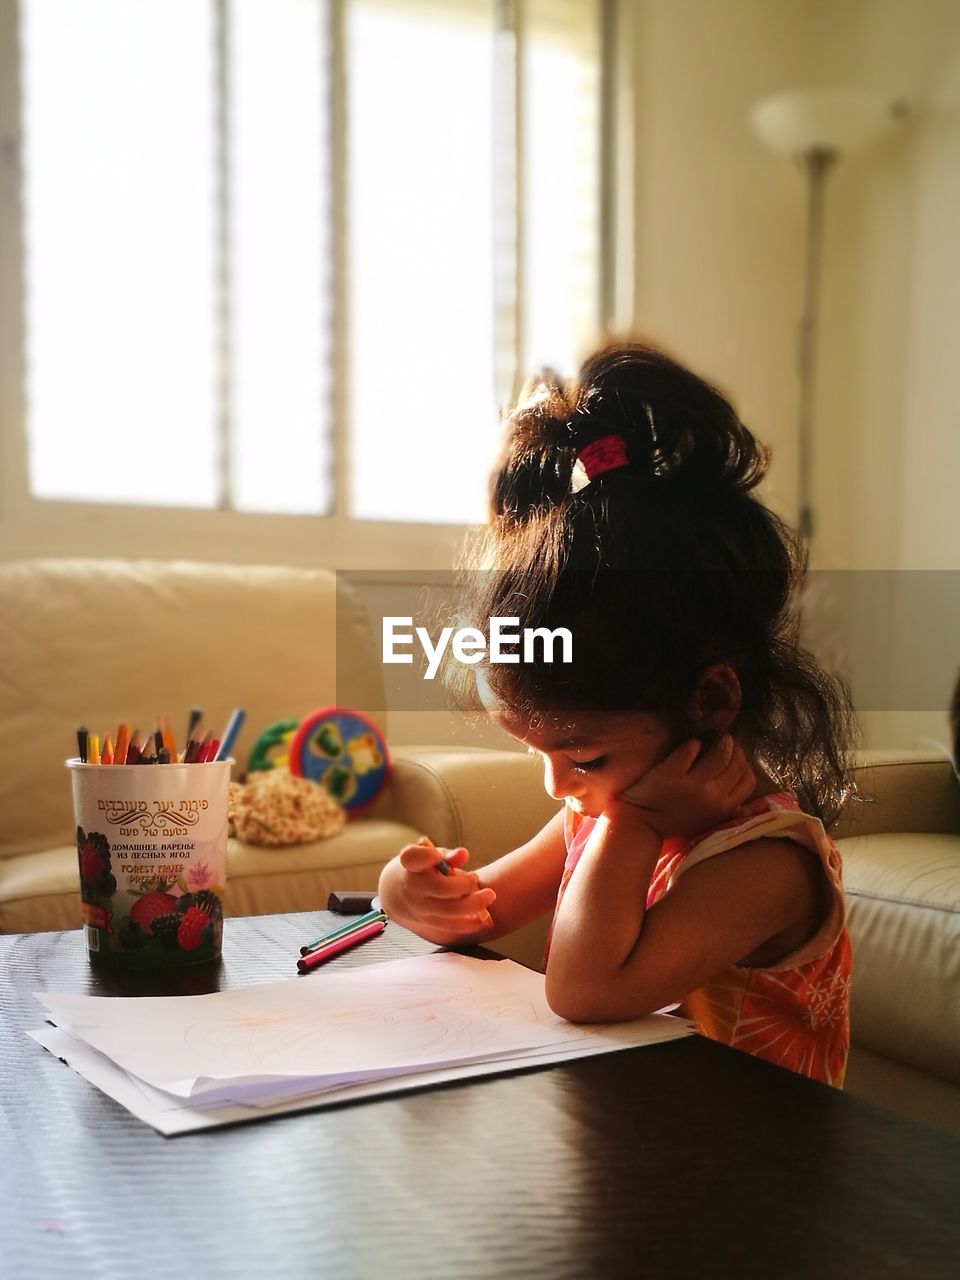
<point>684,1159</point>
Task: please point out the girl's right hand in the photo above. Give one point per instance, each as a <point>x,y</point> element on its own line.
<point>423,896</point>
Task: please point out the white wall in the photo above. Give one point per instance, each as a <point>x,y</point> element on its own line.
<point>719,222</point>
<point>888,405</point>
<point>888,400</point>
<point>719,260</point>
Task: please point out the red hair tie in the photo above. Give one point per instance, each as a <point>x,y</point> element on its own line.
<point>606,454</point>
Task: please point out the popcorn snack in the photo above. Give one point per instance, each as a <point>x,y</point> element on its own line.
<point>275,808</point>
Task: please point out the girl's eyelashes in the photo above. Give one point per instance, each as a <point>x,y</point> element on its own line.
<point>587,766</point>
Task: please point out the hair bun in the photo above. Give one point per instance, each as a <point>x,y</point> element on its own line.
<point>677,426</point>
<point>538,450</point>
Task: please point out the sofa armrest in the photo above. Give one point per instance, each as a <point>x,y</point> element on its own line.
<point>491,801</point>
<point>486,800</point>
<point>902,793</point>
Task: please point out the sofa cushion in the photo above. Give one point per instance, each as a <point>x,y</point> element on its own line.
<point>40,891</point>
<point>903,892</point>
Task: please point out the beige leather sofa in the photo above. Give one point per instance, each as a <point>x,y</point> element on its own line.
<point>84,641</point>
<point>93,642</point>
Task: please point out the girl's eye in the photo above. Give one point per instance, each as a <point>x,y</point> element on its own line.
<point>587,766</point>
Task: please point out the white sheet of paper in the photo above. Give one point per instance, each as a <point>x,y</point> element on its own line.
<point>421,1013</point>
<point>171,1116</point>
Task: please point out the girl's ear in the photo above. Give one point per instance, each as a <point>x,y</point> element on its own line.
<point>717,698</point>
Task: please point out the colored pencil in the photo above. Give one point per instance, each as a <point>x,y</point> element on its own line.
<point>320,956</point>
<point>82,742</point>
<point>193,743</point>
<point>93,749</point>
<point>229,734</point>
<point>149,753</point>
<point>359,923</point>
<point>196,715</point>
<point>168,739</point>
<point>133,751</point>
<point>106,755</point>
<point>211,751</point>
<point>123,744</point>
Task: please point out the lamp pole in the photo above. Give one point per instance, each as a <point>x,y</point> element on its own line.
<point>816,163</point>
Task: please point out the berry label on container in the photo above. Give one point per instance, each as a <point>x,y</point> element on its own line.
<point>151,849</point>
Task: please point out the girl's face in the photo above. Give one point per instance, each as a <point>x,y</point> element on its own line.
<point>589,758</point>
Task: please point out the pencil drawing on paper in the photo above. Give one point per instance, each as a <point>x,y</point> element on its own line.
<point>377,1026</point>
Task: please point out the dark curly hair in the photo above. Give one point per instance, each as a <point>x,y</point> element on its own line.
<point>660,568</point>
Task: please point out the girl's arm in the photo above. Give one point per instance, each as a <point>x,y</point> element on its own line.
<point>611,959</point>
<point>447,909</point>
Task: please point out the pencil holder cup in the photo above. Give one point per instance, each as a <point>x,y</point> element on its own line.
<point>152,850</point>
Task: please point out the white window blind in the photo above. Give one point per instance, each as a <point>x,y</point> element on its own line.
<point>560,174</point>
<point>180,171</point>
<point>278,280</point>
<point>120,205</point>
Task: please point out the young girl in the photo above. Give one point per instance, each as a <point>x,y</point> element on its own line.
<point>698,749</point>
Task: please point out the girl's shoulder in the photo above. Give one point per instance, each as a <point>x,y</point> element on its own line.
<point>776,816</point>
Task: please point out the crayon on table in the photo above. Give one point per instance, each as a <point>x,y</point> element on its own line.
<point>306,963</point>
<point>359,923</point>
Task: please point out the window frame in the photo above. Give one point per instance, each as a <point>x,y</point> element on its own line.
<point>38,527</point>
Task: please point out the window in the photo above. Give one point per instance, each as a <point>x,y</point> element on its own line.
<point>261,235</point>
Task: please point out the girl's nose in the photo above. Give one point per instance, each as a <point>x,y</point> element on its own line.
<point>558,779</point>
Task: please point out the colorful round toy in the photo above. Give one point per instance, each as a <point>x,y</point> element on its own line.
<point>269,750</point>
<point>346,752</point>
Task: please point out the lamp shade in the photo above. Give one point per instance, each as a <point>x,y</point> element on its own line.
<point>835,120</point>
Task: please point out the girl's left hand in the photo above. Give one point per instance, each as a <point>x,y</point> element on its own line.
<point>682,796</point>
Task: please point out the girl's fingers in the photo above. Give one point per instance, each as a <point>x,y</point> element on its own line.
<point>718,759</point>
<point>470,904</point>
<point>425,857</point>
<point>451,889</point>
<point>417,857</point>
<point>681,759</point>
<point>465,914</point>
<point>745,785</point>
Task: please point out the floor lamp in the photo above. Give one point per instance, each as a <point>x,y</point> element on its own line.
<point>816,127</point>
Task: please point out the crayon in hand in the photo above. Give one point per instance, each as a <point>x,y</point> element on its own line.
<point>484,916</point>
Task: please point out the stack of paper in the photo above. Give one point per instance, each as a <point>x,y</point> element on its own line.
<point>193,1062</point>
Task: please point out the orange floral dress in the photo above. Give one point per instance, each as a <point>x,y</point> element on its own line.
<point>794,1013</point>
